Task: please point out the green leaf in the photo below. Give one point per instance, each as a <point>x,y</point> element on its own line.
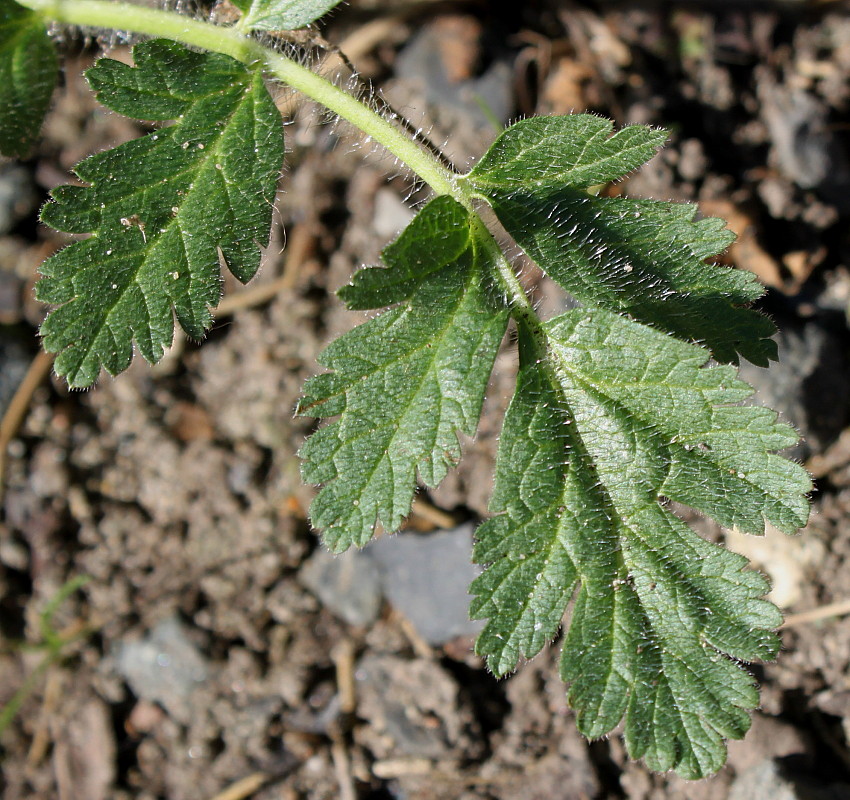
<point>576,150</point>
<point>639,257</point>
<point>618,420</point>
<point>713,455</point>
<point>163,210</point>
<point>405,382</point>
<point>282,15</point>
<point>27,77</point>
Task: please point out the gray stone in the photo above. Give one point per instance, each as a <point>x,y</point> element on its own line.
<point>347,584</point>
<point>391,214</point>
<point>411,706</point>
<point>164,667</point>
<point>15,358</point>
<point>804,146</point>
<point>427,577</point>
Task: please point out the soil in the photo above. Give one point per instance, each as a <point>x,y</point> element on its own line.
<point>176,489</point>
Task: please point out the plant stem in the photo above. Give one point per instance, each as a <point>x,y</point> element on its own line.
<point>232,42</point>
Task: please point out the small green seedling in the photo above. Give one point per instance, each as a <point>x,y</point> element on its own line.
<point>54,644</point>
<point>623,404</point>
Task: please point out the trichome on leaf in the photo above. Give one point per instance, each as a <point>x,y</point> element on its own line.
<point>618,407</point>
<point>404,383</point>
<point>160,209</point>
<point>616,411</point>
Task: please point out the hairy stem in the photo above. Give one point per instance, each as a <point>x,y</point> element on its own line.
<point>232,42</point>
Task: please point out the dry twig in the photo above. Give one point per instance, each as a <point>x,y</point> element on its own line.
<point>244,787</point>
<point>17,411</point>
<point>837,609</point>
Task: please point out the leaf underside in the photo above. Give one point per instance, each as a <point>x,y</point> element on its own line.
<point>163,211</point>
<point>28,70</point>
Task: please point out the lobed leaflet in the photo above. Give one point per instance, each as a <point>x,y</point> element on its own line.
<point>621,405</point>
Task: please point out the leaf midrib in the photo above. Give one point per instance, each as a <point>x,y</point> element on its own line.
<point>384,366</point>
<point>587,384</point>
<point>155,240</point>
<point>485,179</point>
<point>414,394</point>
